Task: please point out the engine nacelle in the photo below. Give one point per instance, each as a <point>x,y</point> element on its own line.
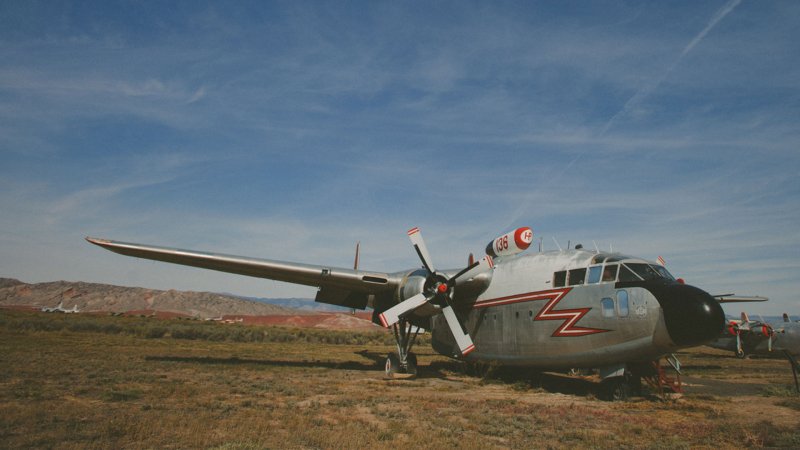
<point>510,243</point>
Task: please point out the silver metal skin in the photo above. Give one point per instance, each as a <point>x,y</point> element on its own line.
<point>513,312</point>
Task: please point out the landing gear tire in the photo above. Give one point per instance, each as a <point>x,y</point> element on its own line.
<point>635,385</point>
<point>616,389</point>
<point>740,354</point>
<point>392,365</point>
<point>411,364</point>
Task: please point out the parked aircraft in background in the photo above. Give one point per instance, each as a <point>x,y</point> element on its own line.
<point>757,337</point>
<point>554,310</point>
<point>60,309</point>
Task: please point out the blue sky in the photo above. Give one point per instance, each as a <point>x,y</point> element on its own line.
<point>292,130</point>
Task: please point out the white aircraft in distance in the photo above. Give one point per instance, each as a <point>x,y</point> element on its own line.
<point>758,337</point>
<point>552,310</point>
<point>60,308</point>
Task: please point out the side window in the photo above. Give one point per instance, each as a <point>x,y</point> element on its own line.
<point>622,303</point>
<point>594,274</point>
<point>608,307</point>
<point>560,278</point>
<point>576,276</point>
<point>610,273</point>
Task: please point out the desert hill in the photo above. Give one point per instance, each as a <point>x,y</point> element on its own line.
<point>93,297</point>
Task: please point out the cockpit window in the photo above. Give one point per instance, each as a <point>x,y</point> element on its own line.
<point>576,276</point>
<point>594,274</point>
<point>625,274</point>
<point>662,271</point>
<point>648,272</point>
<point>560,278</point>
<point>610,272</point>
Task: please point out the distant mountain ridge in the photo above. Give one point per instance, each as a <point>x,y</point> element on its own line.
<point>94,297</point>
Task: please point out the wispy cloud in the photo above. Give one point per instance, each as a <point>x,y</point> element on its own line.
<point>653,84</point>
<point>290,131</point>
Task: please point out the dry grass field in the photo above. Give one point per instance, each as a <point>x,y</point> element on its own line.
<point>71,381</point>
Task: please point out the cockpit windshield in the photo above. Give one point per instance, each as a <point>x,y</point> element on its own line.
<point>663,271</point>
<point>650,271</point>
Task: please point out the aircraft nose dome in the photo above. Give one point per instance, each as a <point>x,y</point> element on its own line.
<point>692,316</point>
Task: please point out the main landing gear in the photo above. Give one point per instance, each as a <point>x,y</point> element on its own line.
<point>621,382</point>
<point>404,362</point>
<point>621,388</point>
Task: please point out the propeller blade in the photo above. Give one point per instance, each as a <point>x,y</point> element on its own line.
<point>738,343</point>
<point>462,338</point>
<point>392,315</point>
<point>419,245</point>
<point>485,263</point>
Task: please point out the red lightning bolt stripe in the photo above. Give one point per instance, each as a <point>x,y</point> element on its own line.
<point>569,316</point>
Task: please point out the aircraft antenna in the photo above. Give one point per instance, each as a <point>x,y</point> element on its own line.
<point>540,244</point>
<point>596,250</point>
<point>559,247</point>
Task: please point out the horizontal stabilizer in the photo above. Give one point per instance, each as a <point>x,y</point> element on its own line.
<point>733,298</point>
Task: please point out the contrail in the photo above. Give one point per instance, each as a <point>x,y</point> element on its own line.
<point>645,91</point>
<point>638,97</point>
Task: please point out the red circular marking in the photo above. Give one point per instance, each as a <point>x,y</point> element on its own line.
<point>442,288</point>
<point>523,237</point>
<point>680,280</point>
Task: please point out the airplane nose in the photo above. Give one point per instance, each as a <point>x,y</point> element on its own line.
<point>692,316</point>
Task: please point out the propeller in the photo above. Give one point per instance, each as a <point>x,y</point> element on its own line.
<point>768,332</point>
<point>736,330</point>
<point>437,290</point>
<point>752,328</point>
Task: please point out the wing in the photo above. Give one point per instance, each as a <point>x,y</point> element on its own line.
<point>338,286</point>
<point>733,298</point>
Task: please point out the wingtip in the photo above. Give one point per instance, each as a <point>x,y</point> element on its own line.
<point>96,241</point>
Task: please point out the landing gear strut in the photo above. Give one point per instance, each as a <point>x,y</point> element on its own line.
<point>404,361</point>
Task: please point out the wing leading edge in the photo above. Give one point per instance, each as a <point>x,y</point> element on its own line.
<point>339,286</point>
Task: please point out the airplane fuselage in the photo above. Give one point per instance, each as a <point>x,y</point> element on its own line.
<point>575,308</point>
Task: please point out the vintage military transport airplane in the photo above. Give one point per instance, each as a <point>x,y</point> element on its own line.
<point>552,310</point>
